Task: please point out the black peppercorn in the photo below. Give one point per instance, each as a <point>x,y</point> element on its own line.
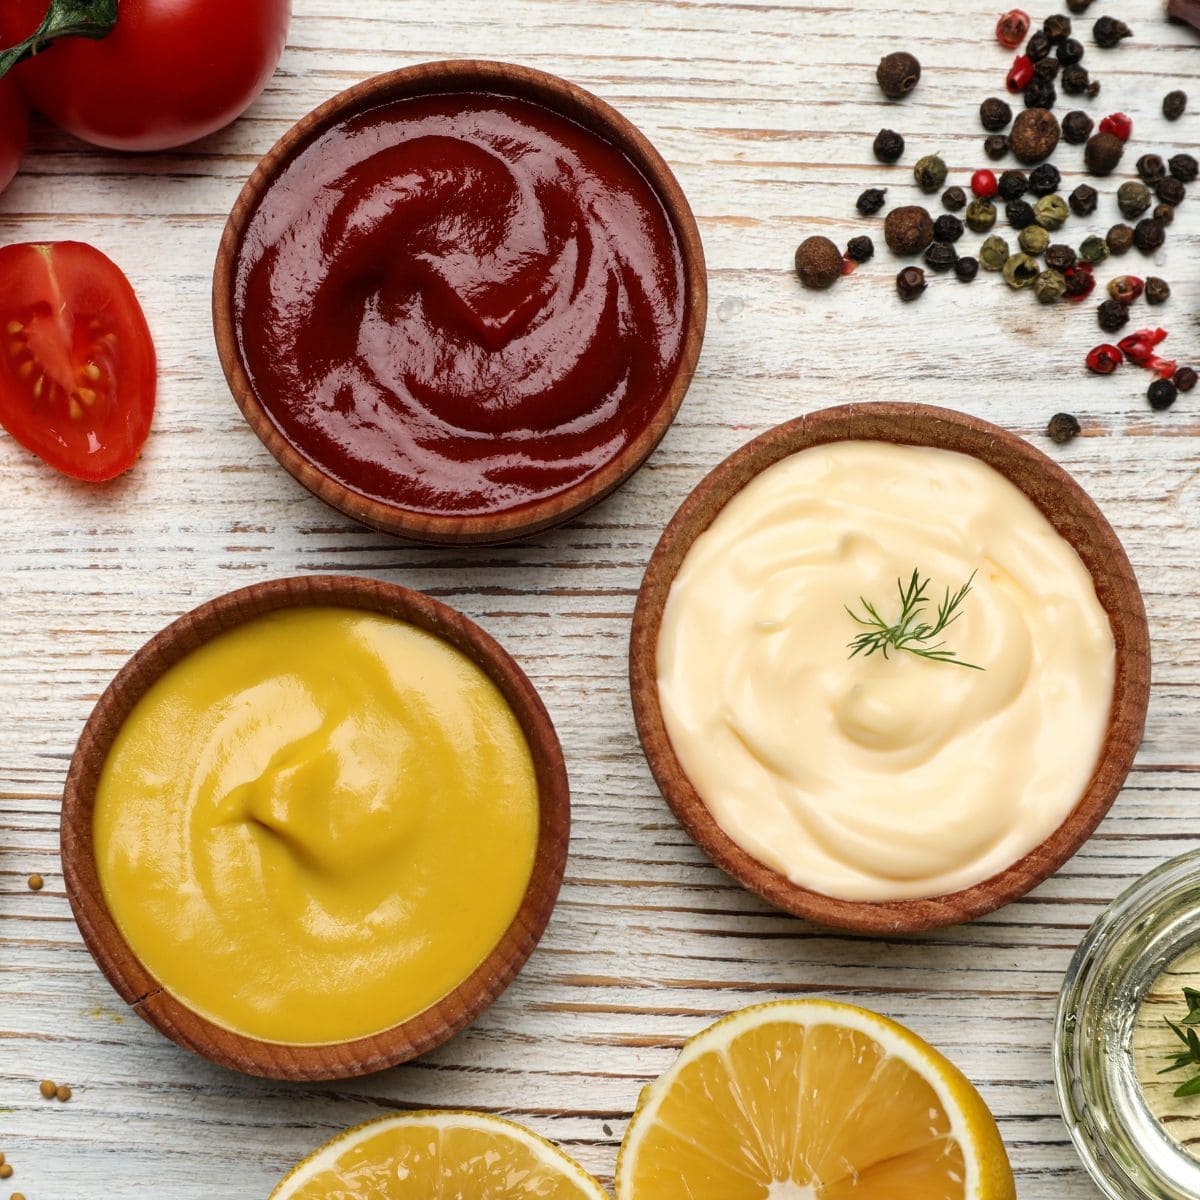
<point>1185,379</point>
<point>1040,93</point>
<point>1013,185</point>
<point>1079,6</point>
<point>1158,291</point>
<point>954,199</point>
<point>897,74</point>
<point>1034,135</point>
<point>860,249</point>
<point>1108,31</point>
<point>1060,257</point>
<point>1077,127</point>
<point>1019,214</point>
<point>995,146</point>
<point>1151,167</point>
<point>1112,315</point>
<point>1044,179</point>
<point>1057,27</point>
<point>1063,428</point>
<point>1119,238</point>
<point>995,114</point>
<point>1103,153</point>
<point>818,263</point>
<point>1070,51</point>
<point>1149,235</point>
<point>1183,167</point>
<point>1162,394</point>
<point>947,228</point>
<point>966,268</point>
<point>1174,105</point>
<point>1133,198</point>
<point>941,256</point>
<point>1047,70</point>
<point>871,201</point>
<point>1075,80</point>
<point>1038,46</point>
<point>1170,190</point>
<point>1164,213</point>
<point>910,283</point>
<point>908,230</point>
<point>1083,200</point>
<point>888,146</point>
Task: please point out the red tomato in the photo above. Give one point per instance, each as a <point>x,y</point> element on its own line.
<point>77,370</point>
<point>171,71</point>
<point>14,130</point>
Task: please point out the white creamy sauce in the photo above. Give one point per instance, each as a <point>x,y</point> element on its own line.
<point>873,778</point>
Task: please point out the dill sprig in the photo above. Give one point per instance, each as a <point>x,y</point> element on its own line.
<point>910,632</point>
<point>1190,1056</point>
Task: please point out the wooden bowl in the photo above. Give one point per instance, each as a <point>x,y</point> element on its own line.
<point>142,992</point>
<point>506,79</point>
<point>1073,515</point>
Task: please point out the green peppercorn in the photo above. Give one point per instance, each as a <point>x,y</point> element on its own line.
<point>1133,198</point>
<point>980,216</point>
<point>1158,291</point>
<point>1051,212</point>
<point>1021,271</point>
<point>1033,239</point>
<point>1093,249</point>
<point>930,173</point>
<point>994,253</point>
<point>1050,286</point>
<point>1120,238</point>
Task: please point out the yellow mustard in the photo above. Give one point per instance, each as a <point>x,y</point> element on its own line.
<point>316,825</point>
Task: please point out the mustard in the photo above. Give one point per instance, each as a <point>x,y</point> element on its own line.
<point>316,825</point>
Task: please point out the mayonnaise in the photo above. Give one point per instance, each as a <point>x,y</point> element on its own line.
<point>873,778</point>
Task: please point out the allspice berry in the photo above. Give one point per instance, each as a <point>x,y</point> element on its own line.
<point>1034,135</point>
<point>1103,153</point>
<point>908,230</point>
<point>818,263</point>
<point>897,74</point>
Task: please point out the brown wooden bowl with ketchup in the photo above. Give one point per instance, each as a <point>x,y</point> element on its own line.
<point>461,302</point>
<point>1071,514</point>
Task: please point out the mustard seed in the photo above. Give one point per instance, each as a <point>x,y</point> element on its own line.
<point>36,883</point>
<point>48,1088</point>
<point>6,1171</point>
<point>63,1093</point>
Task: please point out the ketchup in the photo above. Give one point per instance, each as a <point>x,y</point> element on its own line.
<point>460,303</point>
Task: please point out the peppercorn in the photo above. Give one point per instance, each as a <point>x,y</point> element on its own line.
<point>1112,315</point>
<point>1183,167</point>
<point>1019,74</point>
<point>954,199</point>
<point>1133,198</point>
<point>1021,270</point>
<point>1083,200</point>
<point>818,263</point>
<point>35,883</point>
<point>1076,80</point>
<point>908,230</point>
<point>1162,393</point>
<point>1079,6</point>
<point>1034,135</point>
<point>1047,70</point>
<point>1185,379</point>
<point>1151,167</point>
<point>1044,179</point>
<point>1038,46</point>
<point>1020,214</point>
<point>1149,235</point>
<point>1108,31</point>
<point>947,228</point>
<point>1057,27</point>
<point>1012,28</point>
<point>930,173</point>
<point>1119,124</point>
<point>1063,428</point>
<point>1120,238</point>
<point>1093,249</point>
<point>897,74</point>
<point>1050,286</point>
<point>941,256</point>
<point>994,253</point>
<point>1060,256</point>
<point>1013,185</point>
<point>1070,51</point>
<point>995,146</point>
<point>980,216</point>
<point>1041,93</point>
<point>48,1087</point>
<point>966,268</point>
<point>1174,105</point>
<point>871,201</point>
<point>1125,289</point>
<point>1158,291</point>
<point>910,283</point>
<point>1033,239</point>
<point>984,184</point>
<point>1103,153</point>
<point>1051,212</point>
<point>1080,281</point>
<point>1164,213</point>
<point>888,146</point>
<point>995,114</point>
<point>1077,127</point>
<point>860,249</point>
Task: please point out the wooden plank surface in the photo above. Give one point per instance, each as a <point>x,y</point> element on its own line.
<point>766,109</point>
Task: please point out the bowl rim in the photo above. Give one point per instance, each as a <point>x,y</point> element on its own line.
<point>357,1056</point>
<point>431,78</point>
<point>1070,511</point>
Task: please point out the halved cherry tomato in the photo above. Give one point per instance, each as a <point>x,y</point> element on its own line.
<point>77,367</point>
<point>14,130</point>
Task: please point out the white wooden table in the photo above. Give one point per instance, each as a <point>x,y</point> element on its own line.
<point>766,109</point>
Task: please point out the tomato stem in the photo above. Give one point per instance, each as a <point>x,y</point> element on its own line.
<point>64,18</point>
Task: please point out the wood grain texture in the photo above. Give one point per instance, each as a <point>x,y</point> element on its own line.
<point>765,110</point>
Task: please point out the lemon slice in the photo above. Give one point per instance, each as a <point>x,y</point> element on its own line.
<point>811,1100</point>
<point>439,1156</point>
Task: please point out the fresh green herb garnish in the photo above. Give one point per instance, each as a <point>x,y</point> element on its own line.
<point>909,632</point>
<point>1189,1037</point>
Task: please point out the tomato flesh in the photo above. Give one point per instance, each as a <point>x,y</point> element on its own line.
<point>77,363</point>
